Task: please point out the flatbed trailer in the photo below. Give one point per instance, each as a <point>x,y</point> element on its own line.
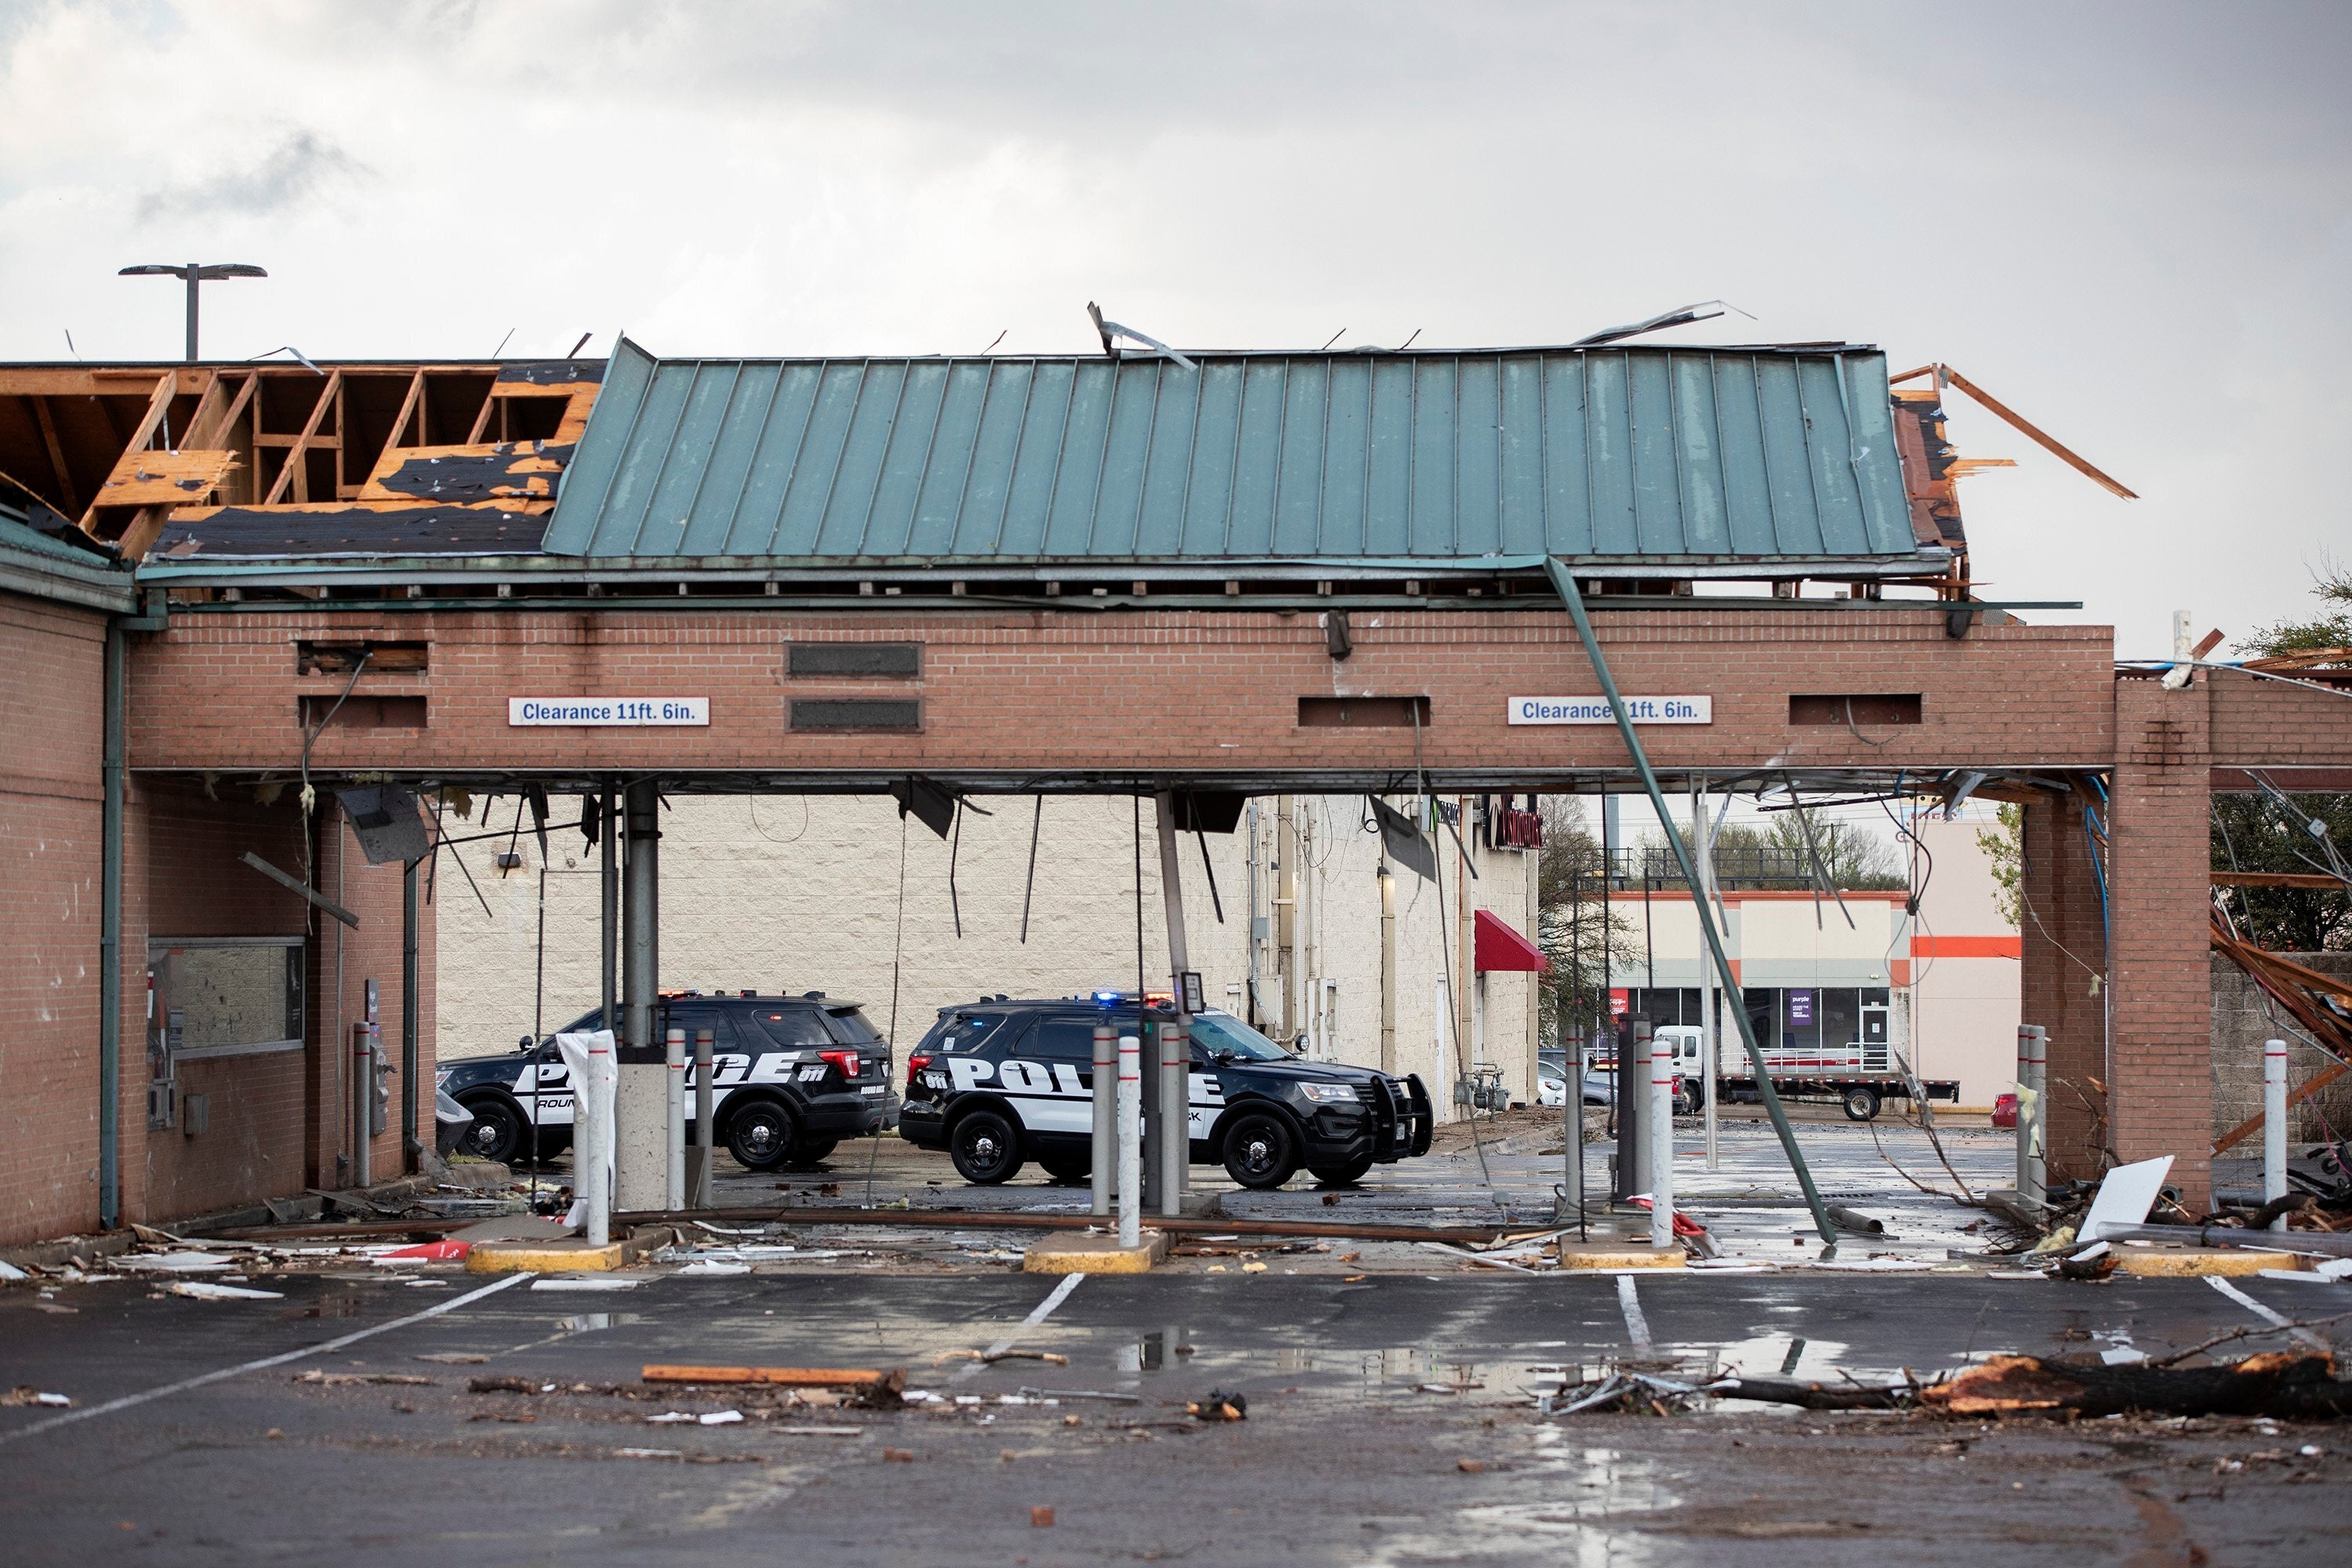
<point>1860,1076</point>
<point>1861,1094</point>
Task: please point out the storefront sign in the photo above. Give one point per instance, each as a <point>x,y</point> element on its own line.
<point>1595,709</point>
<point>605,712</point>
<point>1801,1009</point>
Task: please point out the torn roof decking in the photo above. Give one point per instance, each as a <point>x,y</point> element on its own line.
<point>1670,462</point>
<point>145,454</point>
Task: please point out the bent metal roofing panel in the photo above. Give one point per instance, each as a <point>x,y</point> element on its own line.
<point>1680,456</point>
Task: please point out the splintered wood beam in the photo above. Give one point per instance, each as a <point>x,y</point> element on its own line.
<point>167,385</point>
<point>408,406</point>
<point>482,420</point>
<point>302,443</point>
<point>56,454</point>
<point>218,435</point>
<point>214,383</point>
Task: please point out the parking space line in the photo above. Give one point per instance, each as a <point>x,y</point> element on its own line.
<point>1637,1326</point>
<point>264,1365</point>
<point>1043,1310</point>
<point>2264,1313</point>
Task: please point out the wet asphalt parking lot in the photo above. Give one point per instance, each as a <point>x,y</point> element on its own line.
<point>1389,1421</point>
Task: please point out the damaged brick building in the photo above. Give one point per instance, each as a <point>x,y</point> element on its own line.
<point>227,592</point>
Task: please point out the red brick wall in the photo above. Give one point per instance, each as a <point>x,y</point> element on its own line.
<point>52,673</point>
<point>276,1120</point>
<point>2159,891</point>
<point>2064,943</point>
<point>1063,690</point>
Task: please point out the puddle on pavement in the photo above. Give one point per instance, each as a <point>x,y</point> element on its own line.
<point>589,1322</point>
<point>1589,1491</point>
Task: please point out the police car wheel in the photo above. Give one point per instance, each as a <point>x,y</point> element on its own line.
<point>1346,1176</point>
<point>762,1136</point>
<point>1860,1105</point>
<point>985,1148</point>
<point>497,1134</point>
<point>1066,1168</point>
<point>809,1151</point>
<point>1258,1152</point>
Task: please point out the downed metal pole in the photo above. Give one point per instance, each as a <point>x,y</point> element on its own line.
<point>2332,1244</point>
<point>1574,598</point>
<point>996,1219</point>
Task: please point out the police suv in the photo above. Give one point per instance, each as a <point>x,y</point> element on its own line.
<point>999,1082</point>
<point>791,1077</point>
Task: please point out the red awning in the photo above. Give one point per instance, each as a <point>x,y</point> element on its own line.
<point>1498,946</point>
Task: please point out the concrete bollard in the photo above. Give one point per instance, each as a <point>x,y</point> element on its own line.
<point>2033,1071</point>
<point>2274,1125</point>
<point>1662,1140</point>
<point>1106,1116</point>
<point>674,1059</point>
<point>1130,1140</point>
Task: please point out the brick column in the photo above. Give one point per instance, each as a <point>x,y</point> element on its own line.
<point>2061,988</point>
<point>2160,876</point>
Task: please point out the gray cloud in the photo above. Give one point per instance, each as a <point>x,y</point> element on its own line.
<point>303,164</point>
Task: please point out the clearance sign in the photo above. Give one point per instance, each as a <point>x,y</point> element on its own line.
<point>608,711</point>
<point>1596,711</point>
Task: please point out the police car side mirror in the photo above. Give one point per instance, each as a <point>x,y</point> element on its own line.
<point>523,1043</point>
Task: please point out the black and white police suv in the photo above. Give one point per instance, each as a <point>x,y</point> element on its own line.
<point>997,1083</point>
<point>791,1077</point>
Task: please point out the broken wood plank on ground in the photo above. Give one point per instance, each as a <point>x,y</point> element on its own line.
<point>856,1379</point>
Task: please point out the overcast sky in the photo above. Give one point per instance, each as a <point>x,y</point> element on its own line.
<point>2130,222</point>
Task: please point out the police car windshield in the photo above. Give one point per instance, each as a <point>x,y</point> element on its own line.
<point>1222,1034</point>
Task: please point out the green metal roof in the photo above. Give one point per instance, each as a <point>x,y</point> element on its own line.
<point>1641,458</point>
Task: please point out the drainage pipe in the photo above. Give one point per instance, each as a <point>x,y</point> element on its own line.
<point>1569,594</point>
<point>1175,1062</point>
<point>412,1151</point>
<point>109,941</point>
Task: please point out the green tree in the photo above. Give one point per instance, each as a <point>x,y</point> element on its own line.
<point>1572,916</point>
<point>2004,848</point>
<point>2332,585</point>
<point>2256,833</point>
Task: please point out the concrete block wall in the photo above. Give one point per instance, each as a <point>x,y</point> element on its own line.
<point>2243,1019</point>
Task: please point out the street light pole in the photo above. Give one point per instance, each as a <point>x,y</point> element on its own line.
<point>195,274</point>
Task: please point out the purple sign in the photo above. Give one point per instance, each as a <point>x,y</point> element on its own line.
<point>1800,1007</point>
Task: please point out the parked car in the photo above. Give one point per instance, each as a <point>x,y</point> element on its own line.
<point>1551,1080</point>
<point>791,1077</point>
<point>997,1083</point>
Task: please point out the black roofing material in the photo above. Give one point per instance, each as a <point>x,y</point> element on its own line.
<point>353,531</point>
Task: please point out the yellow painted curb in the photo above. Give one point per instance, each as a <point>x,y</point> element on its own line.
<point>541,1258</point>
<point>1095,1255</point>
<point>1612,1261</point>
<point>2151,1263</point>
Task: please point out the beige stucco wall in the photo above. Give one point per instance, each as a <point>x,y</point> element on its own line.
<point>803,893</point>
<point>1957,1019</point>
<point>1964,1009</point>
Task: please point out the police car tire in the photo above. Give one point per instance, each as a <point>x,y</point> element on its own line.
<point>1069,1167</point>
<point>985,1147</point>
<point>807,1153</point>
<point>497,1119</point>
<point>1345,1175</point>
<point>1861,1105</point>
<point>1254,1130</point>
<point>746,1150</point>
